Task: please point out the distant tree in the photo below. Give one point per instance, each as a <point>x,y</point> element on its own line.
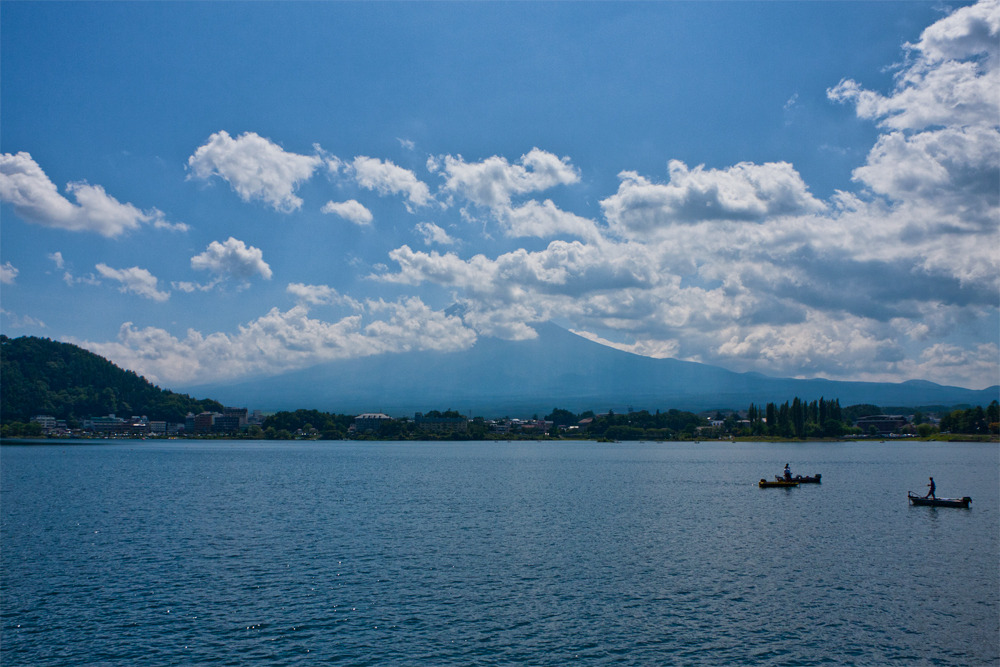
<point>993,412</point>
<point>562,417</point>
<point>771,416</point>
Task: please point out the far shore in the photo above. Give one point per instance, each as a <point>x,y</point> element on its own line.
<point>939,437</point>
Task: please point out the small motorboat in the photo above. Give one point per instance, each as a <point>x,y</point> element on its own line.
<point>938,502</point>
<point>802,480</point>
<point>763,483</point>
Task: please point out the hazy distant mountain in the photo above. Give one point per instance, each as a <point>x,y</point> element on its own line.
<point>557,369</point>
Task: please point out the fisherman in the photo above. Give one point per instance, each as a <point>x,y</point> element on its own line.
<point>788,473</point>
<point>930,494</point>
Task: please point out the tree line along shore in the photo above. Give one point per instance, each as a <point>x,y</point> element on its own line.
<point>791,420</point>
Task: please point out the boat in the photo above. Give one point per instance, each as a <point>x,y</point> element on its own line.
<point>802,480</point>
<point>938,502</point>
<point>763,483</point>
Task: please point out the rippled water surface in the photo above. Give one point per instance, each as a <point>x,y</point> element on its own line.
<point>236,553</point>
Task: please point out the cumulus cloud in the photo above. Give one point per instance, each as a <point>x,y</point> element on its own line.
<point>232,259</point>
<point>8,273</point>
<point>433,234</point>
<point>350,210</point>
<point>188,286</point>
<point>283,340</point>
<point>492,182</point>
<point>951,78</point>
<point>543,220</point>
<point>320,294</point>
<point>255,167</point>
<point>57,259</point>
<point>135,280</point>
<point>385,178</point>
<point>744,192</point>
<point>938,162</point>
<point>942,147</point>
<point>35,198</point>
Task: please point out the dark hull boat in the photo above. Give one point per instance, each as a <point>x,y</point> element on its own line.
<point>802,480</point>
<point>939,502</point>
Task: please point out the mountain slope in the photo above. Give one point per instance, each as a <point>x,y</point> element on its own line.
<point>557,369</point>
<point>42,376</point>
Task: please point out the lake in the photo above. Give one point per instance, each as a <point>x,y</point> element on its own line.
<point>496,553</point>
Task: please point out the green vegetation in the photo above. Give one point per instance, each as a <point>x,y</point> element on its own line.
<point>818,419</point>
<point>973,420</point>
<point>313,423</point>
<point>641,425</point>
<point>42,376</point>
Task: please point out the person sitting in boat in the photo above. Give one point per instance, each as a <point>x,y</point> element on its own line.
<point>788,472</point>
<point>930,494</point>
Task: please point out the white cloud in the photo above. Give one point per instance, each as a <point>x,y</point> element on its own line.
<point>939,161</point>
<point>942,148</point>
<point>282,340</point>
<point>433,234</point>
<point>255,167</point>
<point>189,287</point>
<point>385,178</point>
<point>744,192</point>
<point>89,279</point>
<point>35,198</point>
<point>950,79</point>
<point>543,220</point>
<point>350,210</point>
<point>57,258</point>
<point>955,169</point>
<point>232,259</point>
<point>8,273</point>
<point>492,182</point>
<point>320,294</point>
<point>135,280</point>
<point>412,326</point>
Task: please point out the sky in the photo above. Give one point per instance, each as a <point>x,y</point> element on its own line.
<point>204,192</point>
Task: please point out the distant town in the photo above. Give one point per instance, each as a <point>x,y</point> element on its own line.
<point>797,420</point>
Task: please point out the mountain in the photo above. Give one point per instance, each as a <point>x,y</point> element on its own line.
<point>557,369</point>
<point>42,376</point>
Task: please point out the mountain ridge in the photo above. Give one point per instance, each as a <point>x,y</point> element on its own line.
<point>556,369</point>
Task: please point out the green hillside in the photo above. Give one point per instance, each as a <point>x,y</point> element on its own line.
<point>42,376</point>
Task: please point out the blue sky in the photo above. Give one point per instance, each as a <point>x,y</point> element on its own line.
<point>211,191</point>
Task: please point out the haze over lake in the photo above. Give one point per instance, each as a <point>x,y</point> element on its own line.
<point>212,552</point>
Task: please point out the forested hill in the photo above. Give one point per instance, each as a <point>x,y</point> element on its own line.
<point>42,376</point>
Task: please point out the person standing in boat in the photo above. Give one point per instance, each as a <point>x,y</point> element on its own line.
<point>930,494</point>
<point>788,472</point>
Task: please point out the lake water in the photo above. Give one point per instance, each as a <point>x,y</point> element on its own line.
<point>519,553</point>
